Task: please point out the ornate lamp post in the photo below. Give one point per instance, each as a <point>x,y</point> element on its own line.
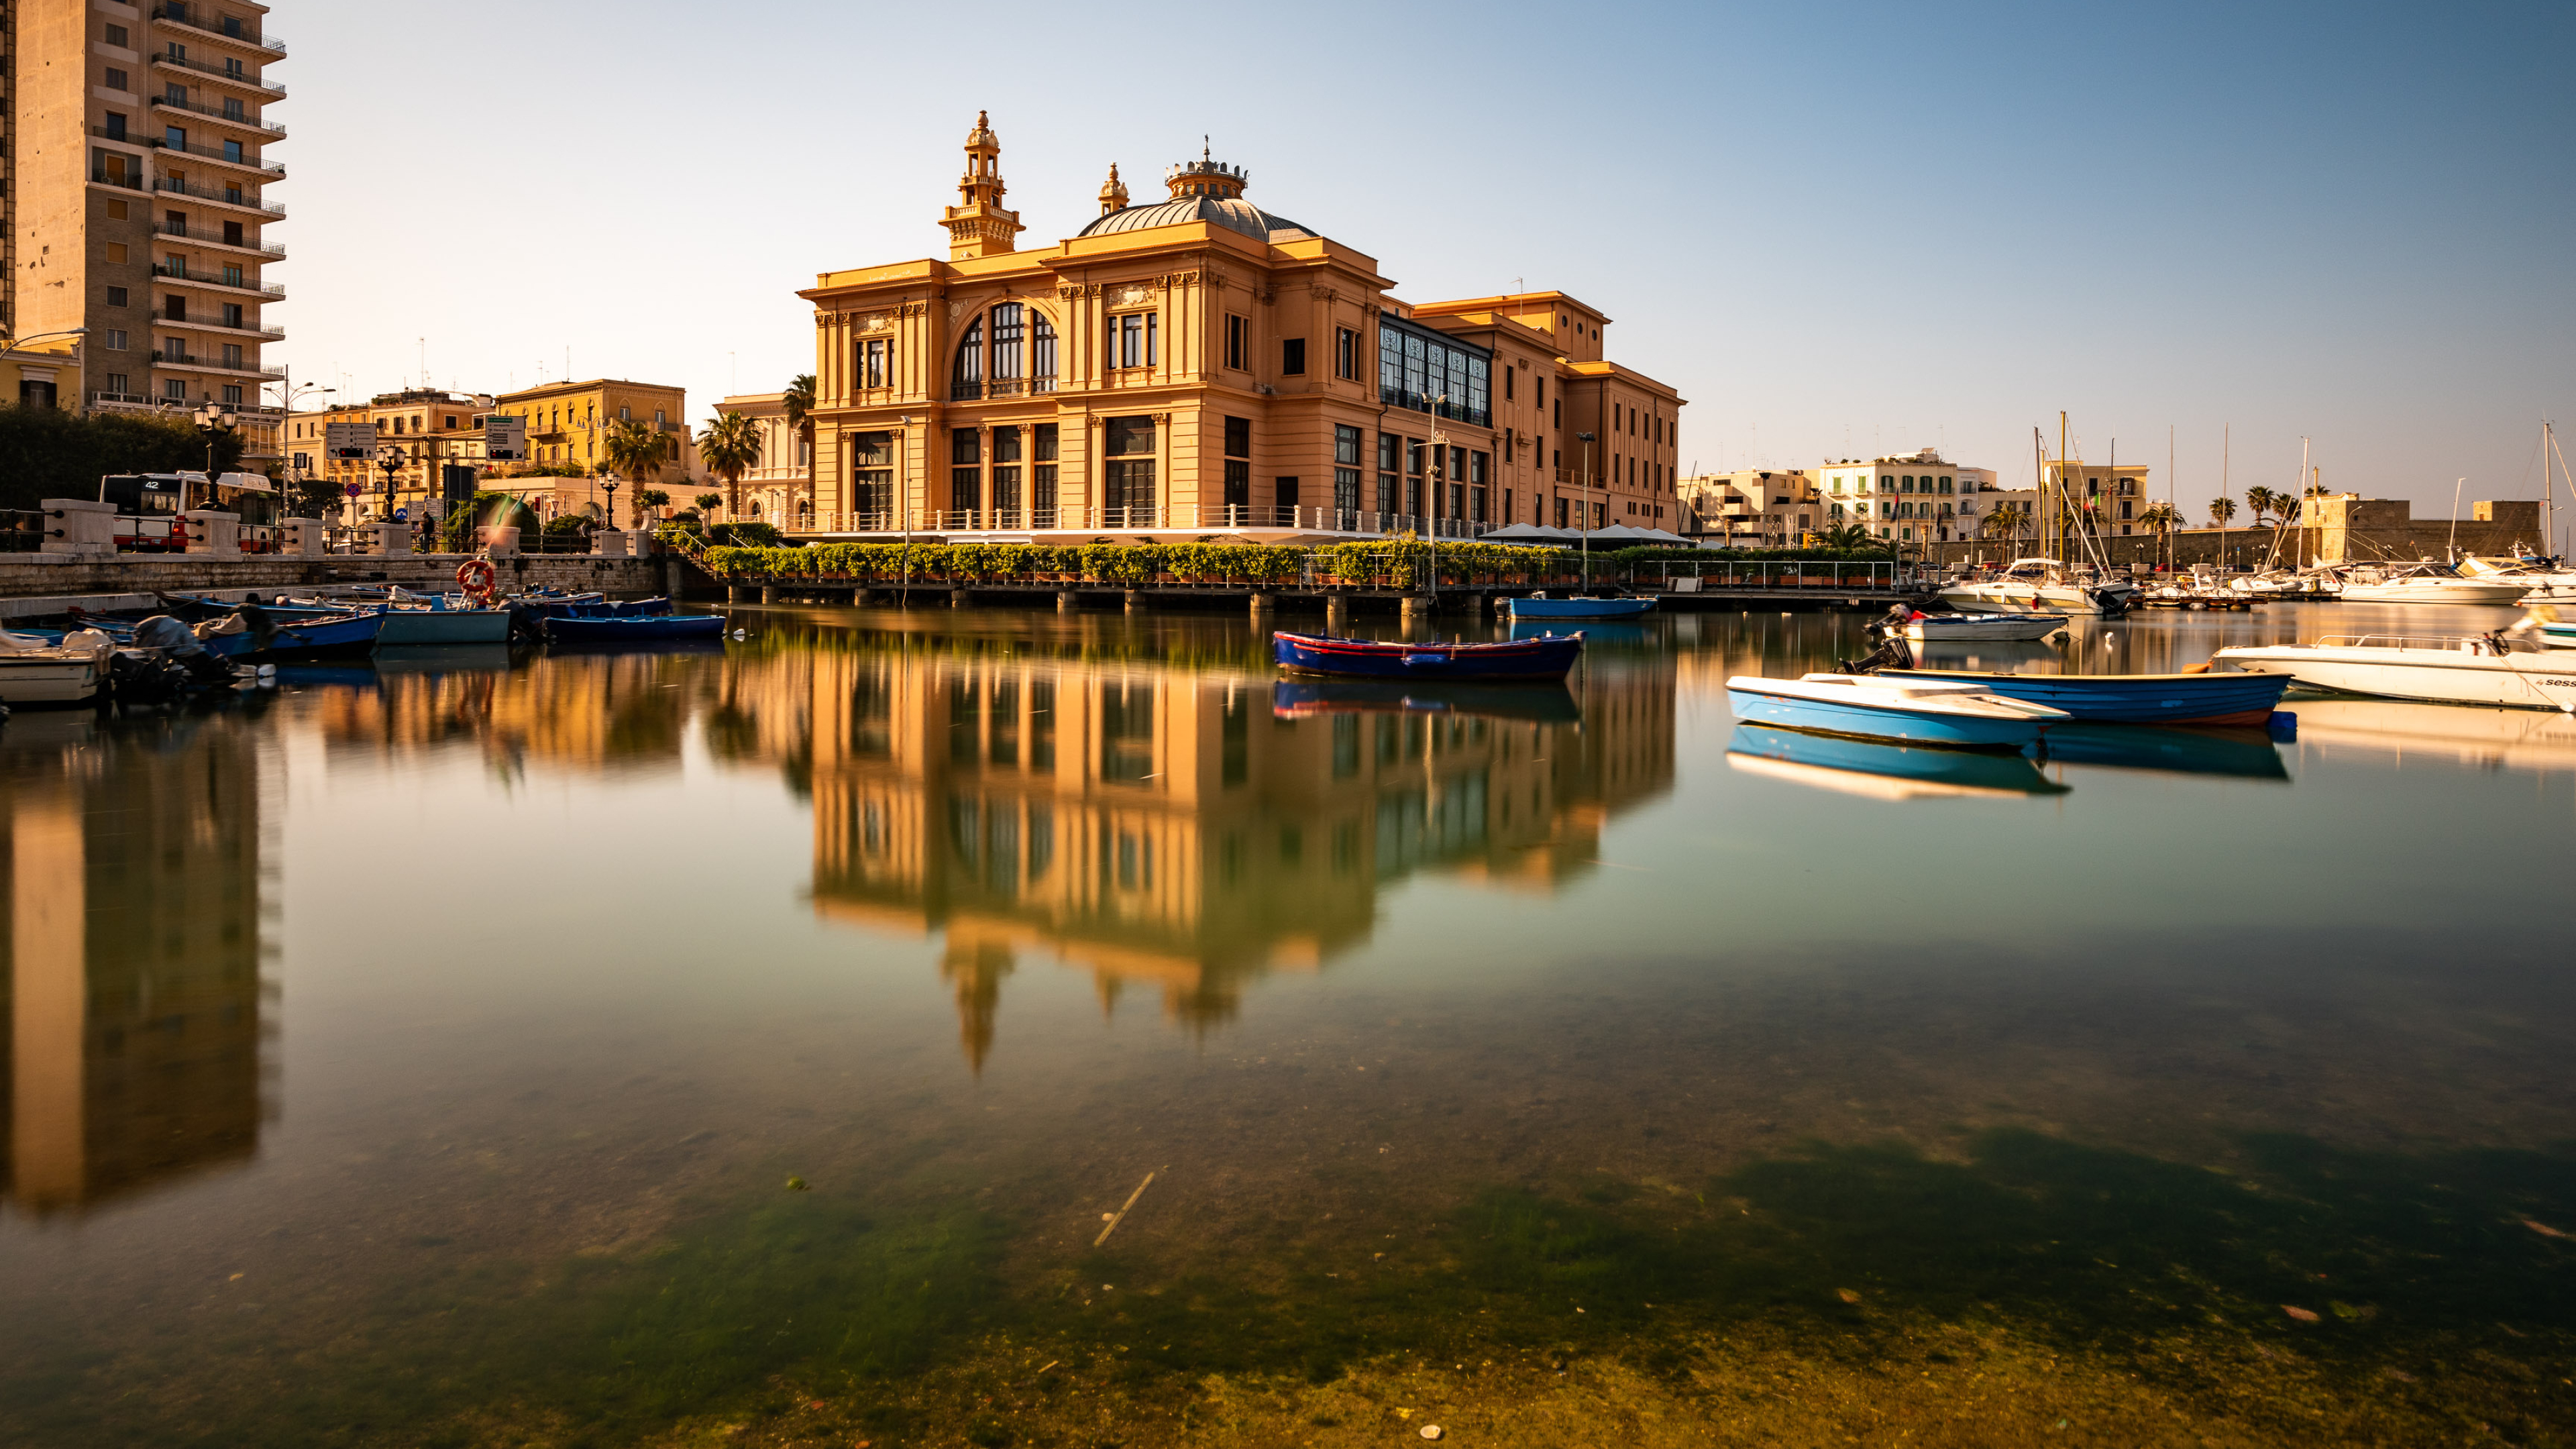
<point>391,458</point>
<point>608,486</point>
<point>215,420</point>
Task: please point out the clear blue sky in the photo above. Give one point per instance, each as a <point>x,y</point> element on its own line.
<point>1838,229</point>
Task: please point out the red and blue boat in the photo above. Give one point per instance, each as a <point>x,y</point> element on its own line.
<point>634,628</point>
<point>1549,656</point>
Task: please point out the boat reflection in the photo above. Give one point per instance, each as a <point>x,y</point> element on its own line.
<point>2541,741</point>
<point>1314,698</point>
<point>1882,771</point>
<point>134,1002</point>
<point>1171,826</point>
<point>2244,753</point>
<point>599,712</point>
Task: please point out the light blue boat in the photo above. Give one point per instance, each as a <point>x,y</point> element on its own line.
<point>1580,608</point>
<point>1957,716</point>
<point>1881,771</point>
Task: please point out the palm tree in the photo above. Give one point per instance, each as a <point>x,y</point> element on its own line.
<point>730,447</point>
<point>635,449</point>
<point>1849,537</point>
<point>2221,509</point>
<point>799,401</point>
<point>2264,502</point>
<point>2160,518</point>
<point>2004,521</point>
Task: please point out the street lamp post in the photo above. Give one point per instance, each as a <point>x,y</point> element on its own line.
<point>1583,502</point>
<point>391,458</point>
<point>609,487</point>
<point>215,420</point>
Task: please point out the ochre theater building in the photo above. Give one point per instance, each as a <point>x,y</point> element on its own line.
<point>1196,365</point>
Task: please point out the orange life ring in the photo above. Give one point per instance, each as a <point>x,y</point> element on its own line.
<point>476,576</point>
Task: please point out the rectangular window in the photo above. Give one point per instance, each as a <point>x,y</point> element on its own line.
<point>1238,437</point>
<point>1346,353</point>
<point>1508,373</point>
<point>1135,334</point>
<point>872,480</point>
<point>114,341</point>
<point>1238,483</point>
<point>233,151</point>
<point>232,314</point>
<point>872,363</point>
<point>233,276</point>
<point>1292,357</point>
<point>1042,446</point>
<point>116,36</point>
<point>1128,436</point>
<point>1128,484</point>
<point>116,80</point>
<point>1238,342</point>
<point>119,384</point>
<point>232,354</point>
<point>232,395</point>
<point>116,297</point>
<point>1041,354</point>
<point>1286,493</point>
<point>1010,334</point>
<point>965,445</point>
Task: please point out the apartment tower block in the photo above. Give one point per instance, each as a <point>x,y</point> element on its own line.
<point>137,199</point>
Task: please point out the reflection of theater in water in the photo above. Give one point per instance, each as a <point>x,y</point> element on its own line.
<point>583,712</point>
<point>1191,829</point>
<point>134,997</point>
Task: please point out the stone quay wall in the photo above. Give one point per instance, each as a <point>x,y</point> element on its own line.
<point>128,581</point>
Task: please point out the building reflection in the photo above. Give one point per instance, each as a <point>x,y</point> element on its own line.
<point>589,712</point>
<point>134,1008</point>
<point>1167,827</point>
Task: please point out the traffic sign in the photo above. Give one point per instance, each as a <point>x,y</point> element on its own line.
<point>505,439</point>
<point>402,515</point>
<point>349,442</point>
<point>352,489</point>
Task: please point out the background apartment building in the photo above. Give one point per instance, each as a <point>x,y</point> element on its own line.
<point>137,201</point>
<point>778,490</point>
<point>1916,497</point>
<point>1751,507</point>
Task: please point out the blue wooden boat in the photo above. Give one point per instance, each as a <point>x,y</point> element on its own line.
<point>634,629</point>
<point>1946,713</point>
<point>1543,658</point>
<point>2168,699</point>
<point>1881,771</point>
<point>1580,608</point>
<point>1544,703</point>
<point>300,637</point>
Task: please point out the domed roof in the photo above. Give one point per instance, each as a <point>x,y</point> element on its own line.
<point>1231,212</point>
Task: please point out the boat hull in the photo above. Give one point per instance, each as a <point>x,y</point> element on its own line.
<point>2520,681</point>
<point>1549,657</point>
<point>2438,591</point>
<point>2164,699</point>
<point>1882,771</point>
<point>1857,720</point>
<point>2003,596</point>
<point>299,638</point>
<point>444,626</point>
<point>634,629</point>
<point>51,676</point>
<point>1580,608</point>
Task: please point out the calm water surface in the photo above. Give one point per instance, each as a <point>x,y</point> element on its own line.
<point>751,1046</point>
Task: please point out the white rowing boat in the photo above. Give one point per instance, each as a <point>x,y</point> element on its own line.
<point>2479,670</point>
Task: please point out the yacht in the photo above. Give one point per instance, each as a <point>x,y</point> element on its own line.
<point>2043,586</point>
<point>2482,669</point>
<point>2427,583</point>
<point>2543,580</point>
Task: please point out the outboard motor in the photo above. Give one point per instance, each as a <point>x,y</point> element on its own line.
<point>1892,651</point>
<point>180,644</point>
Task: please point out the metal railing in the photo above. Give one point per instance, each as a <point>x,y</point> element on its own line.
<point>220,198</point>
<point>229,28</point>
<point>186,359</point>
<point>239,78</point>
<point>1423,403</point>
<point>216,238</point>
<point>177,273</point>
<point>1820,575</point>
<point>1183,517</point>
<point>231,116</point>
<point>271,169</point>
<point>247,328</point>
<point>131,180</point>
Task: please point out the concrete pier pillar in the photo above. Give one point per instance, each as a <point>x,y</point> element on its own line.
<point>1262,604</point>
<point>1135,601</point>
<point>1067,601</point>
<point>958,599</point>
<point>738,593</point>
<point>769,593</point>
<point>1417,610</point>
<point>1337,614</point>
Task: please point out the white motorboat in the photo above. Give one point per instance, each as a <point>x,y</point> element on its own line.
<point>2042,586</point>
<point>2542,584</point>
<point>1925,628</point>
<point>2427,583</point>
<point>2477,670</point>
<point>35,671</point>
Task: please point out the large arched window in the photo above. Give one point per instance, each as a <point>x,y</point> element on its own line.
<point>969,382</point>
<point>1008,351</point>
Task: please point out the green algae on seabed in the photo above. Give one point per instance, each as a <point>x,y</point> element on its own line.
<point>1977,1299</point>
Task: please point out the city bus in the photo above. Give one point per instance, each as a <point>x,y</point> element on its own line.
<point>150,508</point>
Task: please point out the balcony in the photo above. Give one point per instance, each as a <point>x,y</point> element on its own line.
<point>250,122</point>
<point>216,323</point>
<point>231,29</point>
<point>164,358</point>
<point>208,193</point>
<point>131,180</point>
<point>271,290</point>
<point>216,238</point>
<point>228,77</point>
<point>137,402</point>
<point>268,170</point>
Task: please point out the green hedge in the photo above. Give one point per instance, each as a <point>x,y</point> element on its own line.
<point>1399,563</point>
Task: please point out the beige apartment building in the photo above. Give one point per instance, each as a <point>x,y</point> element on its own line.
<point>137,201</point>
<point>1196,364</point>
<point>780,490</point>
<point>1751,507</point>
<point>1916,497</point>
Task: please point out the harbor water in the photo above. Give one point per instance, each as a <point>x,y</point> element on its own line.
<point>975,1027</point>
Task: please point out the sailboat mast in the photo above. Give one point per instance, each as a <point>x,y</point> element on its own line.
<point>2548,493</point>
<point>2064,505</point>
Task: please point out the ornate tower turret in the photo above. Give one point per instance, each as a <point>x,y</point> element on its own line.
<point>979,226</point>
<point>1113,192</point>
<point>1204,177</point>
